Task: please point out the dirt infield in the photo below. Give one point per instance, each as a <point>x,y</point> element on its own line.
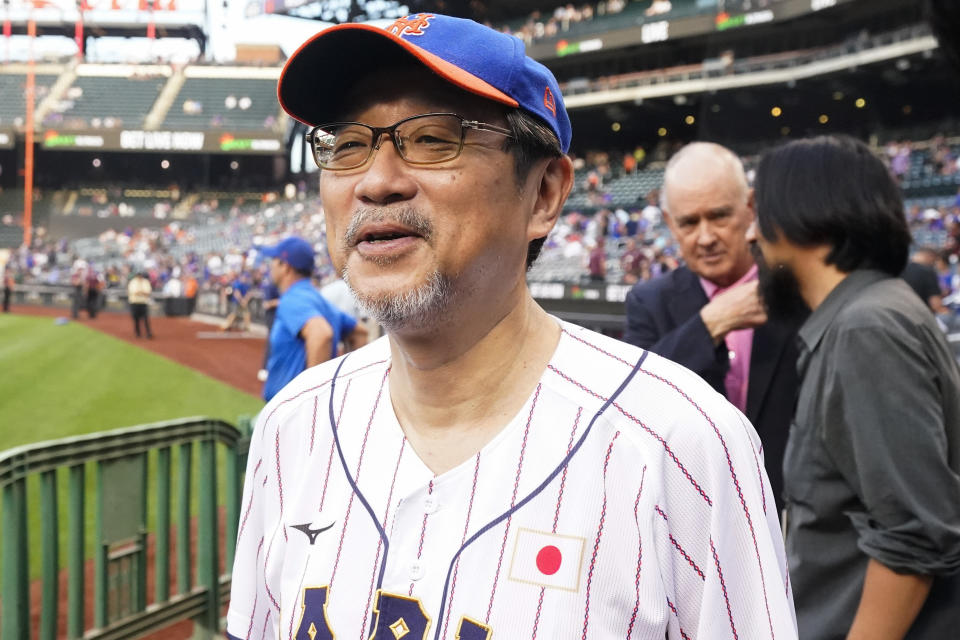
<point>233,360</point>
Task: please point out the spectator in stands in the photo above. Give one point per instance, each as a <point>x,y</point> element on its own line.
<point>138,295</point>
<point>634,263</point>
<point>597,261</point>
<point>922,277</point>
<point>708,315</point>
<point>307,330</point>
<point>873,467</point>
<point>658,8</point>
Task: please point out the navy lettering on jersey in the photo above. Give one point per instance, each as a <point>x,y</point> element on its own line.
<point>473,630</point>
<point>399,617</point>
<point>313,622</point>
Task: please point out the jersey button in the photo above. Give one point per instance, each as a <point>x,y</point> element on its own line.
<point>430,504</point>
<point>416,570</point>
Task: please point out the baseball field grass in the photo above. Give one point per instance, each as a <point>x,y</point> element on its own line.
<point>62,380</point>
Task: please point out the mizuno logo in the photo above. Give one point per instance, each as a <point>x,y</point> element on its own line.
<point>312,533</point>
<point>411,26</point>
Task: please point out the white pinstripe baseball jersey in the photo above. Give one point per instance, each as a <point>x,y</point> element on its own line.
<point>602,510</point>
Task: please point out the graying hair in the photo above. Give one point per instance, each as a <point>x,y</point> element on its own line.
<point>718,153</point>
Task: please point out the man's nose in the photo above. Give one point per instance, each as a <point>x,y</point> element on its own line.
<point>705,233</point>
<point>386,178</point>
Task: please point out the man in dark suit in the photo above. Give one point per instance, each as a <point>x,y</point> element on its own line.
<point>708,315</point>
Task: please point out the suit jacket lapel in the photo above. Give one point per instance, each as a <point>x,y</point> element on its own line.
<point>769,341</point>
<point>687,298</point>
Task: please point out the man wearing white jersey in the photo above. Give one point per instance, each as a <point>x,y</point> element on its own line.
<point>484,471</point>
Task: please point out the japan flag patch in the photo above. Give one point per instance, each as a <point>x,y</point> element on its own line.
<point>547,559</point>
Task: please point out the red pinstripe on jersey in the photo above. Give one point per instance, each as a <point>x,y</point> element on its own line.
<point>253,612</point>
<point>636,519</point>
<point>733,474</point>
<point>376,560</point>
<point>683,634</point>
<point>723,587</point>
<point>756,461</point>
<point>326,477</point>
<point>356,476</point>
<point>313,425</point>
<point>596,541</point>
<point>643,425</point>
<point>677,546</point>
<point>280,481</point>
<point>311,390</point>
<point>246,513</point>
<point>736,484</point>
<point>466,528</point>
<point>266,584</point>
<point>513,501</point>
<point>556,516</point>
<point>266,621</point>
<point>423,533</point>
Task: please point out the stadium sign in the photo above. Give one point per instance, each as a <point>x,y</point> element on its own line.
<point>161,140</point>
<point>135,140</point>
<point>614,293</point>
<point>726,21</point>
<point>565,48</point>
<point>655,32</point>
<point>55,140</point>
<point>678,28</point>
<point>230,143</point>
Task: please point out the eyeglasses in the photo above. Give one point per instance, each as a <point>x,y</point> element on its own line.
<point>429,138</point>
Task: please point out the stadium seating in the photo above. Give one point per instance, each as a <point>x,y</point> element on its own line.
<point>99,101</point>
<point>230,103</point>
<point>12,101</point>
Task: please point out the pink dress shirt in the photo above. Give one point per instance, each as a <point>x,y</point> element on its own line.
<point>740,346</point>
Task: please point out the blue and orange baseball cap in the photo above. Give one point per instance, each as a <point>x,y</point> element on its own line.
<point>475,58</point>
<point>295,251</point>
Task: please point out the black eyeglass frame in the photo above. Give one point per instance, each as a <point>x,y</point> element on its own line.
<point>377,138</point>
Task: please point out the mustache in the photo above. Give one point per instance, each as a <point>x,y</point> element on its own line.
<point>406,216</point>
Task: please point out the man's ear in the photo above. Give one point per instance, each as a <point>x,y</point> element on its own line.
<point>752,203</point>
<point>554,182</point>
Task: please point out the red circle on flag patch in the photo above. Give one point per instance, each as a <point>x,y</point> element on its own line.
<point>548,560</point>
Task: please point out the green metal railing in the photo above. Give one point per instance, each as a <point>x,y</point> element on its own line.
<point>121,462</point>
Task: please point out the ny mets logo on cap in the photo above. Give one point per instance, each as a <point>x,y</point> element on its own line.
<point>549,101</point>
<point>547,559</point>
<point>411,25</point>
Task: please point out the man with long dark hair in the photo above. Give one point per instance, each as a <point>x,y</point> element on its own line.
<point>872,466</point>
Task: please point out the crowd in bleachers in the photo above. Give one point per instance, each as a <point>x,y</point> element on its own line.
<point>612,230</point>
<point>565,18</point>
<point>539,25</point>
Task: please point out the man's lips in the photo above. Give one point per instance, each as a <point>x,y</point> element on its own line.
<point>711,257</point>
<point>371,234</point>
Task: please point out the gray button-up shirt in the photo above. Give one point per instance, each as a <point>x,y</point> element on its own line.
<point>872,465</point>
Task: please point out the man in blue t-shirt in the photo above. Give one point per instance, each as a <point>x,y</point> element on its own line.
<point>238,293</point>
<point>307,329</point>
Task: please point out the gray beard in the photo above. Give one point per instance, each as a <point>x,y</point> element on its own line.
<point>420,307</point>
